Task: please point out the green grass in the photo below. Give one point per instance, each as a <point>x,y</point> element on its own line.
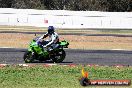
<point>57,76</point>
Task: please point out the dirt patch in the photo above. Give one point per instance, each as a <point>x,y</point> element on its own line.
<point>18,40</point>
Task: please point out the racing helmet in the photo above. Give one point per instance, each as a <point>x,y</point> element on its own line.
<point>51,30</point>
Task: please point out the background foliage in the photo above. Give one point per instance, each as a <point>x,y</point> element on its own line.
<point>77,5</point>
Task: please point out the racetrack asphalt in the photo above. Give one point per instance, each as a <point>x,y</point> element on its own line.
<point>82,57</point>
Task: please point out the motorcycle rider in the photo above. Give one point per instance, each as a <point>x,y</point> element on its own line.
<point>53,38</point>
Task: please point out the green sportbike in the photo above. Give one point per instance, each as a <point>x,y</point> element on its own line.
<point>36,52</point>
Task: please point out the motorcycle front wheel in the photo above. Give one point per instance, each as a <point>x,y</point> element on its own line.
<point>28,58</point>
<point>59,57</point>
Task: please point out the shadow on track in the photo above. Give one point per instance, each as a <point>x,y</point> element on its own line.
<point>51,62</point>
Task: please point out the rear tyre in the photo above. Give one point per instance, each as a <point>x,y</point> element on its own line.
<point>59,57</point>
<point>28,58</point>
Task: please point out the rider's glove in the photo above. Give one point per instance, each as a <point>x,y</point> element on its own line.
<point>44,46</point>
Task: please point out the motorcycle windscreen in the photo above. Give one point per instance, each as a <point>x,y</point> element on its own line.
<point>35,47</point>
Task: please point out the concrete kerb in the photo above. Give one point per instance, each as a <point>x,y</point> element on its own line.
<point>68,65</point>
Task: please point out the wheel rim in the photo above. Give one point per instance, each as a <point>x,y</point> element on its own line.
<point>60,57</point>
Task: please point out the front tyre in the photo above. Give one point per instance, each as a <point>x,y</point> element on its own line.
<point>59,57</point>
<point>28,58</point>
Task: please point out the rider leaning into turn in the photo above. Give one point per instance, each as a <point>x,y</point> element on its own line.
<point>53,37</point>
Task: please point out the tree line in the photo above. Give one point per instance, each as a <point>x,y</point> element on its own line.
<point>76,5</point>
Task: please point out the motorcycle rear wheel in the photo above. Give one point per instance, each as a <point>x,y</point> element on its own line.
<point>28,58</point>
<point>60,57</point>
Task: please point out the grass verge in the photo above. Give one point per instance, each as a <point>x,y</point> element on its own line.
<point>58,76</point>
<point>76,41</point>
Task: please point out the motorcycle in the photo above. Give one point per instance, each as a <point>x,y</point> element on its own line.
<point>37,52</point>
